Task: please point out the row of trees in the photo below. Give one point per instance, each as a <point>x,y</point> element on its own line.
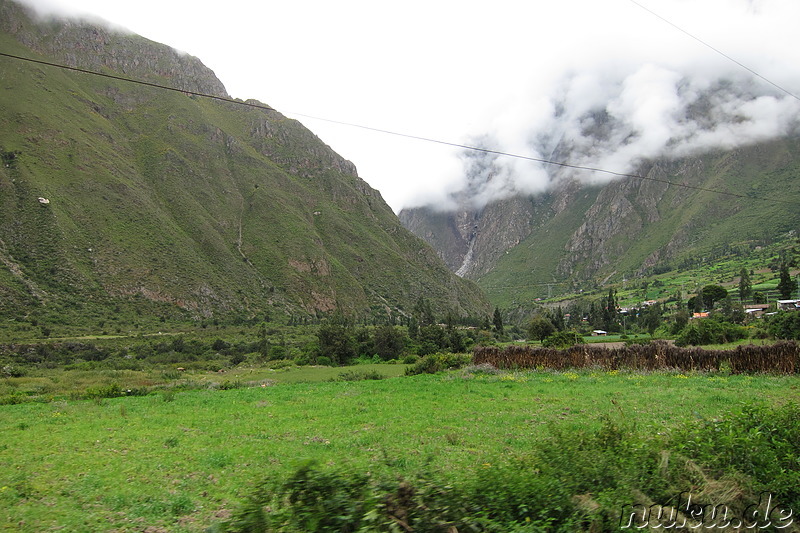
<point>786,285</point>
<point>340,341</point>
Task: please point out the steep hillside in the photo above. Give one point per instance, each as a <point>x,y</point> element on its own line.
<point>580,236</point>
<point>165,201</point>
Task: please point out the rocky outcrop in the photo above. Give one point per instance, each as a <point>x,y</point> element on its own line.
<point>578,233</point>
<point>90,46</point>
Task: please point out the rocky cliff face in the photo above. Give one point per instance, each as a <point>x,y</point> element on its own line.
<point>89,46</point>
<point>471,241</point>
<point>578,234</point>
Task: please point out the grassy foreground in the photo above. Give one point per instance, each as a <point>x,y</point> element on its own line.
<point>186,461</point>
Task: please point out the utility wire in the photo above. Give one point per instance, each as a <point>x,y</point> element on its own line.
<point>398,134</point>
<point>718,51</point>
<point>140,82</point>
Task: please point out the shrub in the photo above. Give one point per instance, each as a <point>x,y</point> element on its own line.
<point>433,363</point>
<point>227,385</point>
<point>315,500</point>
<point>280,363</point>
<point>763,443</point>
<point>104,391</point>
<point>410,359</point>
<point>11,371</point>
<point>367,360</point>
<point>709,331</point>
<point>573,480</point>
<point>562,339</point>
<point>785,325</point>
<point>360,375</point>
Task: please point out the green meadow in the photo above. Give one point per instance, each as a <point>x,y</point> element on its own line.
<point>187,461</point>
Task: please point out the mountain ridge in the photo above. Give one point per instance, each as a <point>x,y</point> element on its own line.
<point>579,235</point>
<point>169,201</point>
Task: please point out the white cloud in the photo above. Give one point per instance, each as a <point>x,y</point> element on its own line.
<point>523,76</point>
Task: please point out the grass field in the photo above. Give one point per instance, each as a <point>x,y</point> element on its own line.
<point>45,385</point>
<point>185,461</point>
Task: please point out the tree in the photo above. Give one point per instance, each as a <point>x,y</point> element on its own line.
<point>610,311</point>
<point>336,341</point>
<point>732,312</point>
<point>695,303</point>
<point>681,319</point>
<point>432,339</point>
<point>652,318</point>
<point>557,318</point>
<point>388,342</point>
<point>786,285</point>
<point>456,340</point>
<point>745,285</point>
<point>713,294</point>
<point>497,321</point>
<point>540,328</point>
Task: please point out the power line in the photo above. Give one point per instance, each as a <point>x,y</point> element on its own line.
<point>398,134</point>
<point>140,82</point>
<point>718,51</point>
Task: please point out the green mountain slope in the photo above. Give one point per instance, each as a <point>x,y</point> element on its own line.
<point>580,237</point>
<point>162,200</point>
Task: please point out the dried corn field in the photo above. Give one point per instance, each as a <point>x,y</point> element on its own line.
<point>780,358</point>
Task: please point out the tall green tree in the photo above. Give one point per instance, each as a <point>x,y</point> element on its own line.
<point>745,285</point>
<point>388,342</point>
<point>336,340</point>
<point>497,321</point>
<point>556,316</point>
<point>610,311</point>
<point>786,285</point>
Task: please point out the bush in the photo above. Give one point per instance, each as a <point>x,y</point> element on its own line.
<point>709,331</point>
<point>562,339</point>
<point>104,391</point>
<point>573,480</point>
<point>410,359</point>
<point>438,362</point>
<point>540,328</point>
<point>11,371</point>
<point>785,325</point>
<point>760,442</point>
<point>314,500</point>
<point>280,363</point>
<point>360,375</point>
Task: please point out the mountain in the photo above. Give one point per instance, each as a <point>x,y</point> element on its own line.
<point>165,201</point>
<point>579,236</point>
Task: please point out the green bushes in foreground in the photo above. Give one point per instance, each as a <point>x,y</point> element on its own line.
<point>572,481</point>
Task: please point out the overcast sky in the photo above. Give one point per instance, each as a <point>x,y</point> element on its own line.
<point>517,76</point>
